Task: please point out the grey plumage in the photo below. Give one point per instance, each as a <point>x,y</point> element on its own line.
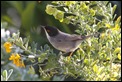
<point>64,41</point>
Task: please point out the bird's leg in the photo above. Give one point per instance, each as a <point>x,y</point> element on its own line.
<point>70,55</point>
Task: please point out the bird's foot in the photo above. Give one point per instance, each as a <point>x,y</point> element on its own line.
<point>68,59</point>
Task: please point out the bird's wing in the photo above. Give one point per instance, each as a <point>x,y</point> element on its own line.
<point>69,37</point>
<point>73,37</point>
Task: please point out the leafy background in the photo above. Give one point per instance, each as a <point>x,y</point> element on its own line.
<point>26,16</point>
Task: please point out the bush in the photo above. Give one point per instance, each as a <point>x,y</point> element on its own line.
<point>98,59</point>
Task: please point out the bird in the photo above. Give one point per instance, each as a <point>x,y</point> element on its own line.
<point>63,41</point>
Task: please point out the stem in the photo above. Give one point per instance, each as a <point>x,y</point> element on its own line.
<point>22,47</point>
<point>11,71</point>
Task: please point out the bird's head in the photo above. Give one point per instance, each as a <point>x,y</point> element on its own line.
<point>52,31</point>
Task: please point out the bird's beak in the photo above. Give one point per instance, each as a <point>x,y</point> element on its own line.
<point>42,26</point>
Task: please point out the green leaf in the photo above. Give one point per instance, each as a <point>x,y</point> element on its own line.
<point>92,12</point>
<point>84,8</point>
<point>42,57</point>
<point>100,70</point>
<point>15,35</point>
<point>46,47</point>
<point>115,74</point>
<point>69,3</point>
<point>119,56</point>
<point>113,9</point>
<point>59,15</point>
<point>66,9</point>
<point>117,50</point>
<point>118,20</point>
<point>95,68</point>
<point>50,9</point>
<point>5,74</point>
<point>86,61</point>
<point>20,41</point>
<point>51,60</point>
<point>26,44</point>
<point>31,70</point>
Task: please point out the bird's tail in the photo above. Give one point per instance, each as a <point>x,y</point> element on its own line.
<point>95,35</point>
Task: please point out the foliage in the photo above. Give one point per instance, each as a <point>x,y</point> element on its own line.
<point>13,71</point>
<point>5,76</point>
<point>98,59</point>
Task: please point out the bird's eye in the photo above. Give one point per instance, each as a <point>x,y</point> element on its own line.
<point>48,30</point>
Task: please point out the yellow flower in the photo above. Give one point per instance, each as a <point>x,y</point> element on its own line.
<point>17,60</point>
<point>7,46</point>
